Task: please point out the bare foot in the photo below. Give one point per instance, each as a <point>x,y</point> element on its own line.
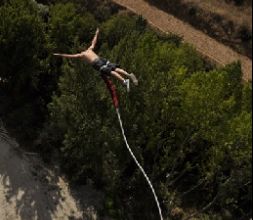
<point>134,79</point>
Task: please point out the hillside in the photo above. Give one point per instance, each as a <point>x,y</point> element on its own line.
<point>208,47</point>
<point>228,23</point>
<point>31,190</point>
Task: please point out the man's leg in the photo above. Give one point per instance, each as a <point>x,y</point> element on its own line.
<point>121,71</point>
<point>118,76</point>
<point>131,76</point>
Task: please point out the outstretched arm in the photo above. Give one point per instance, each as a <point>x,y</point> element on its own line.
<point>78,55</point>
<point>94,41</point>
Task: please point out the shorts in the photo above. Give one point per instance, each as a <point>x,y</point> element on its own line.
<point>104,66</point>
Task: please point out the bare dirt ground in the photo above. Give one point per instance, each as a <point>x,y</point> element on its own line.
<point>238,15</point>
<point>205,45</point>
<point>31,191</point>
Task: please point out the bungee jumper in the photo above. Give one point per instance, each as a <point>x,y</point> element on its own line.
<point>104,66</point>
<point>107,69</point>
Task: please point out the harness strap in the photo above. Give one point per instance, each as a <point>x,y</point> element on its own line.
<point>112,89</point>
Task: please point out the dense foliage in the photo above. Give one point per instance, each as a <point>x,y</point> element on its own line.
<point>189,126</point>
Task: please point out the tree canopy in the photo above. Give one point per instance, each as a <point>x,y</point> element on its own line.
<point>189,125</point>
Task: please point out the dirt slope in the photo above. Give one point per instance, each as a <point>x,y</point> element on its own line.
<point>30,191</point>
<point>208,47</point>
<point>238,15</point>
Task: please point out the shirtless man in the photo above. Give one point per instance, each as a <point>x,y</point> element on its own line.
<point>102,65</point>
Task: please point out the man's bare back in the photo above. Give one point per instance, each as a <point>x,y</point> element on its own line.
<point>89,56</point>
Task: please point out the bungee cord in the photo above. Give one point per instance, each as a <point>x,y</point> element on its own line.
<point>113,93</point>
<point>138,164</point>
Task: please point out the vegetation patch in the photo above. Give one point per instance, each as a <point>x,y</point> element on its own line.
<point>189,125</point>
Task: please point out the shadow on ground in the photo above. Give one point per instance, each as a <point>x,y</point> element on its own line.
<point>31,190</point>
<point>28,190</point>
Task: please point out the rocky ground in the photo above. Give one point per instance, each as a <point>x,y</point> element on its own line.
<point>31,191</point>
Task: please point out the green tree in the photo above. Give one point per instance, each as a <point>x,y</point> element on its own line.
<point>190,128</point>
<point>68,27</point>
<point>22,40</point>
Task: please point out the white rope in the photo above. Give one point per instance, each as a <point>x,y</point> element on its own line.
<point>138,164</point>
